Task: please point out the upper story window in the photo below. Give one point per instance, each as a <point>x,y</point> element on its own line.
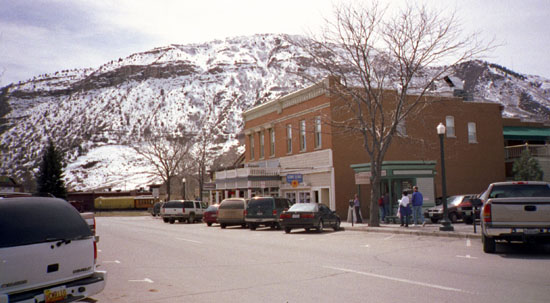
<point>251,138</point>
<point>450,125</point>
<point>271,142</point>
<point>472,132</point>
<point>318,141</point>
<point>289,138</point>
<point>262,145</point>
<point>401,128</point>
<point>303,135</point>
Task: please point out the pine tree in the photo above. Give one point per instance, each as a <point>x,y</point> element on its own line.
<point>50,174</point>
<point>527,168</point>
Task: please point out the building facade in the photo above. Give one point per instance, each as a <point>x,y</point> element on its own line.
<point>311,161</point>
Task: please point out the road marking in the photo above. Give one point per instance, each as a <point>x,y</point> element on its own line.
<point>398,279</point>
<point>387,238</point>
<point>187,240</point>
<point>468,243</point>
<point>466,257</point>
<point>366,245</point>
<point>144,280</point>
<point>115,261</point>
<point>99,250</point>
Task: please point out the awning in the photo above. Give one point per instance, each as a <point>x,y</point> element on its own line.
<point>526,133</point>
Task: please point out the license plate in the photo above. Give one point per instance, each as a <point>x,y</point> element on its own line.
<point>259,213</point>
<point>296,216</point>
<point>55,294</point>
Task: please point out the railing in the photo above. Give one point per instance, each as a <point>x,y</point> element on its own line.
<point>536,150</point>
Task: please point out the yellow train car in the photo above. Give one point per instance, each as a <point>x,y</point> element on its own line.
<point>114,203</point>
<point>144,202</point>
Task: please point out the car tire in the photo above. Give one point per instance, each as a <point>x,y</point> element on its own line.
<point>307,228</point>
<point>489,244</point>
<point>337,225</point>
<point>434,220</point>
<point>191,218</point>
<point>209,223</point>
<point>252,226</point>
<point>288,230</point>
<point>172,221</point>
<point>223,225</point>
<point>321,226</point>
<point>165,220</point>
<point>453,217</point>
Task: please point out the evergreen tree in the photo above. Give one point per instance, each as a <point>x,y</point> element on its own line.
<point>527,168</point>
<point>50,174</point>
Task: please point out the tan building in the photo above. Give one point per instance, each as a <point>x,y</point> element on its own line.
<point>293,152</point>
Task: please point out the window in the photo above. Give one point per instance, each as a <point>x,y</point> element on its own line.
<point>251,137</point>
<point>472,133</point>
<point>271,142</point>
<point>289,138</point>
<point>401,128</point>
<point>450,125</point>
<point>318,141</point>
<point>303,135</point>
<point>262,145</point>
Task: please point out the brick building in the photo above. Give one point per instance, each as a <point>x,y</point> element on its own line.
<point>292,151</point>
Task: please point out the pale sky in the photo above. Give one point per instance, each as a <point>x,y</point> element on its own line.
<point>45,36</point>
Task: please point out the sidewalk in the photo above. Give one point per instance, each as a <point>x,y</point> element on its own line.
<point>461,230</point>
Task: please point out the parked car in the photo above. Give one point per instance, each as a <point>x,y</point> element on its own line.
<point>266,211</point>
<point>48,252</point>
<point>180,210</point>
<point>155,210</point>
<point>309,215</point>
<point>436,213</point>
<point>232,212</point>
<point>210,215</point>
<point>465,210</point>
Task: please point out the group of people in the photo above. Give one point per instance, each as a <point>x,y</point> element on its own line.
<point>405,209</point>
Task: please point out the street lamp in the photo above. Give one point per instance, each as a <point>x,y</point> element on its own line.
<point>445,223</point>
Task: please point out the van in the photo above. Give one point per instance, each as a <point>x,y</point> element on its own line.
<point>266,211</point>
<point>232,212</point>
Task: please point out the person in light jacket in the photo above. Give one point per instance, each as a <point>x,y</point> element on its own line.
<point>404,209</point>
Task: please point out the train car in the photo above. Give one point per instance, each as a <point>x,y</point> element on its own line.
<point>144,202</point>
<point>105,203</point>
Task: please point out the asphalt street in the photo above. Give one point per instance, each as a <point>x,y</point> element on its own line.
<point>151,261</point>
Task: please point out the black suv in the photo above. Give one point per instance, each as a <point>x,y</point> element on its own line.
<point>266,211</point>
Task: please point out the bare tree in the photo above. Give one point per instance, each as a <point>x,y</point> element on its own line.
<point>385,65</point>
<point>166,153</point>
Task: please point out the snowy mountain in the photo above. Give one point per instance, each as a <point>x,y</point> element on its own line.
<point>94,115</point>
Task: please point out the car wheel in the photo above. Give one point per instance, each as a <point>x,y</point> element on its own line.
<point>288,230</point>
<point>434,220</point>
<point>172,221</point>
<point>468,220</point>
<point>165,220</point>
<point>222,225</point>
<point>489,244</point>
<point>307,228</point>
<point>209,223</point>
<point>252,226</point>
<point>243,225</point>
<point>453,217</point>
<point>321,226</point>
<point>337,225</point>
<point>191,218</point>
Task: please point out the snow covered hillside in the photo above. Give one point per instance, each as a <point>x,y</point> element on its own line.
<point>94,115</point>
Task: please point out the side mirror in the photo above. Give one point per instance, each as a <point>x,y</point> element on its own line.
<point>476,202</point>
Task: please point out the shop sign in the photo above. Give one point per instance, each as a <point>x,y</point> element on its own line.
<point>299,178</point>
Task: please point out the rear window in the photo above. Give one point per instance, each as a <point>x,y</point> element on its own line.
<point>520,190</point>
<point>173,204</point>
<point>232,204</point>
<point>261,203</point>
<point>25,221</point>
<point>312,207</point>
<point>212,208</point>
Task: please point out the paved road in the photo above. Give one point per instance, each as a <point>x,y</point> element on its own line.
<point>150,261</point>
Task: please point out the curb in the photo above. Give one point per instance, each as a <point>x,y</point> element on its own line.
<point>433,233</point>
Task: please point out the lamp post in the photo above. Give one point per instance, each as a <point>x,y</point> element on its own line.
<point>445,223</point>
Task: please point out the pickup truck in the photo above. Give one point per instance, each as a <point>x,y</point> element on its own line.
<point>514,211</point>
<point>47,252</point>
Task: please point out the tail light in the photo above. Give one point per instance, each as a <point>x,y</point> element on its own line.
<point>274,212</point>
<point>245,212</point>
<point>307,216</point>
<point>95,252</point>
<point>487,213</point>
<point>285,216</point>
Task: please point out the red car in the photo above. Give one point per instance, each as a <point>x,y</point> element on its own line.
<point>210,215</point>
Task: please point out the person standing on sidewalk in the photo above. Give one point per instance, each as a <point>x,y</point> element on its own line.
<point>357,206</point>
<point>382,208</point>
<point>405,209</point>
<point>417,200</point>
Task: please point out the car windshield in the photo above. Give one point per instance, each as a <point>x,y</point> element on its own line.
<point>212,208</point>
<point>313,207</point>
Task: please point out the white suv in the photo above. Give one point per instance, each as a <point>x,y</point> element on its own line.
<point>190,211</point>
<point>47,252</point>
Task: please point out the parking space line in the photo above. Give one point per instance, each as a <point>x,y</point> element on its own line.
<point>441,287</point>
<point>468,243</point>
<point>187,240</point>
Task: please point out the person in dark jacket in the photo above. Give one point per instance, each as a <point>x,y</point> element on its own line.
<point>416,201</point>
